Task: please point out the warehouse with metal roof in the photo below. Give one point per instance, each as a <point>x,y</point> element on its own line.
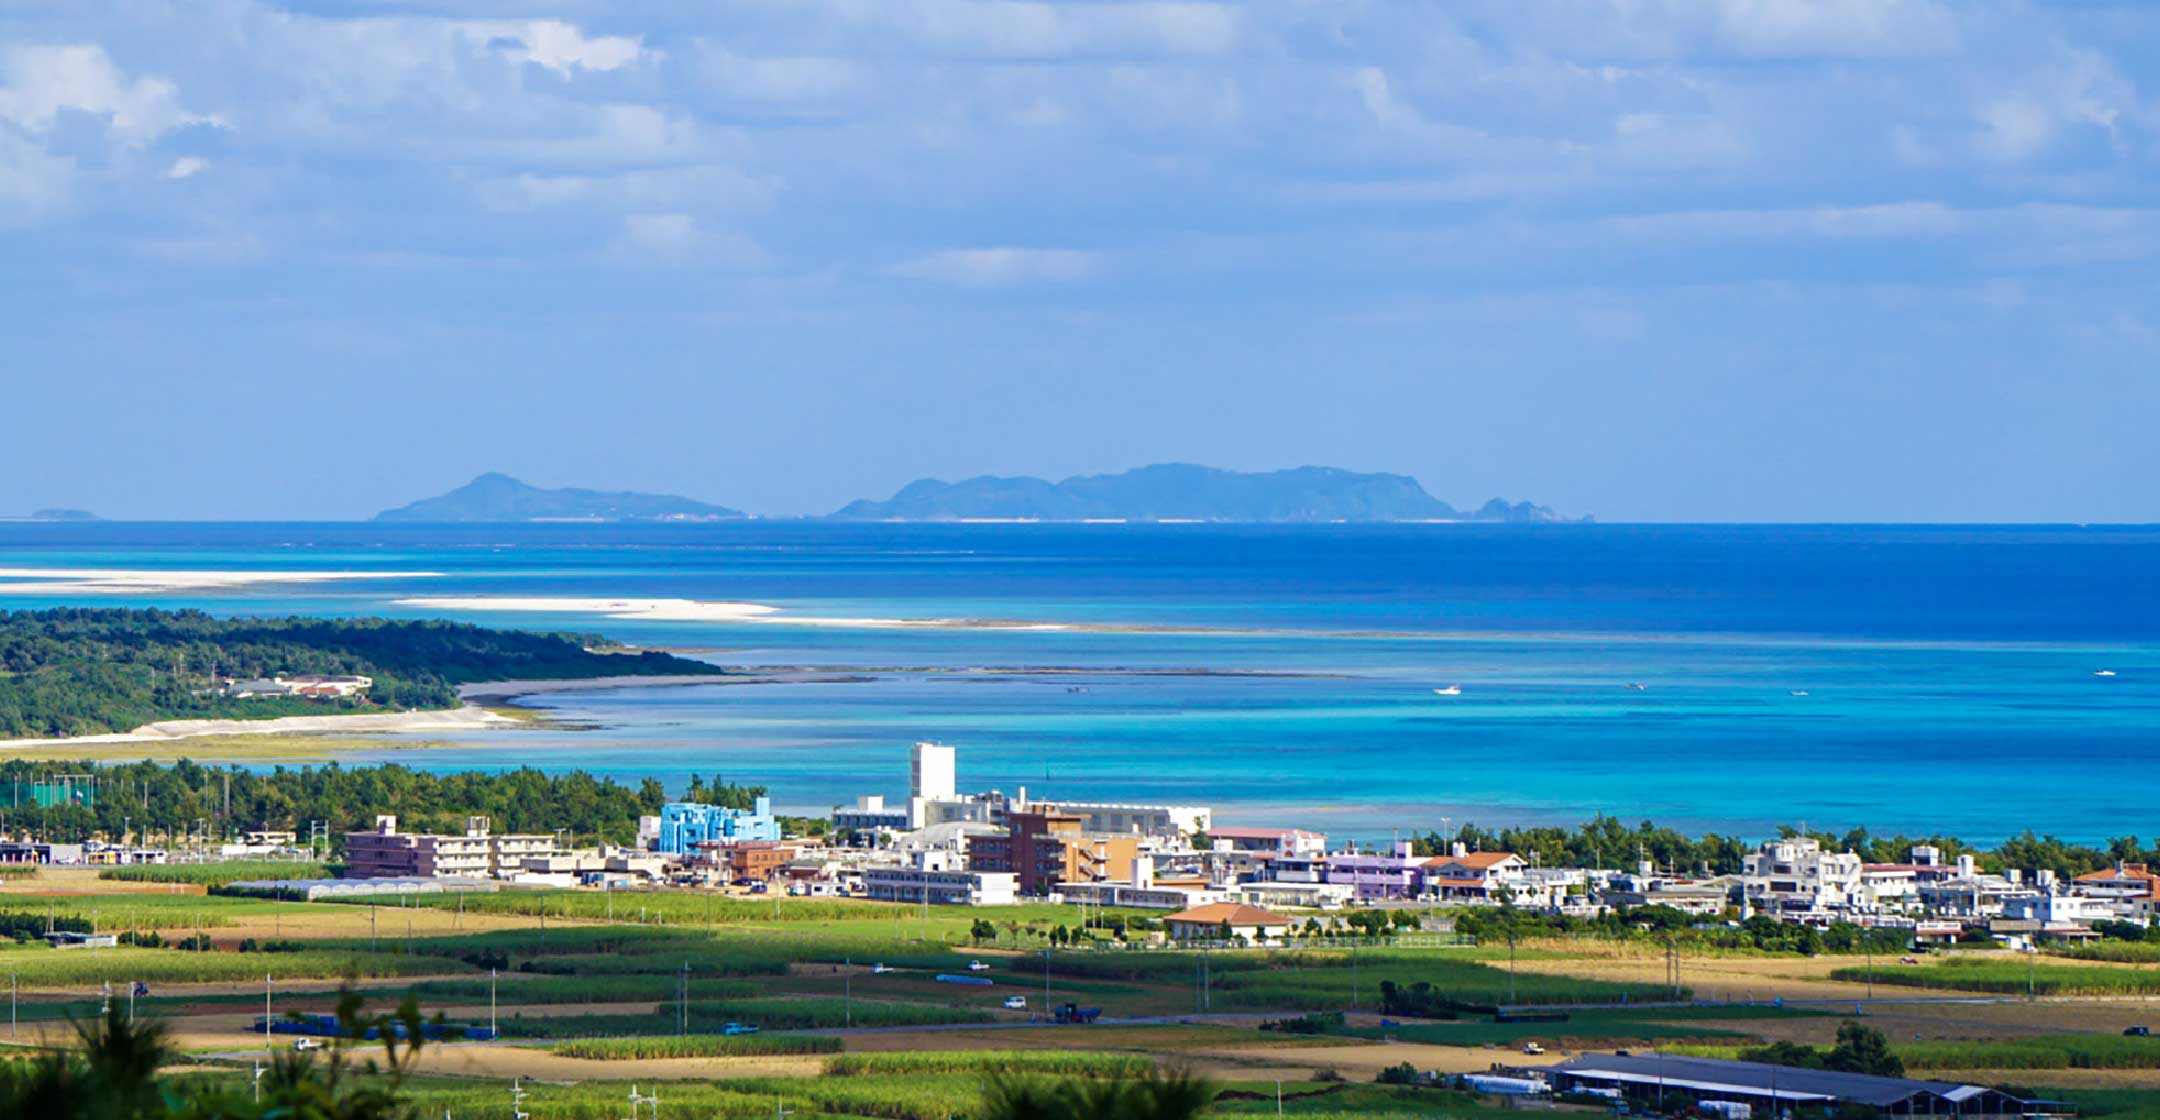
<point>1650,1076</point>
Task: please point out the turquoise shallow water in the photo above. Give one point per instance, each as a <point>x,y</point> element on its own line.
<point>1949,672</point>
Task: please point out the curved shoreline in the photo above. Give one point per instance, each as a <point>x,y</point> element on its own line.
<point>468,718</point>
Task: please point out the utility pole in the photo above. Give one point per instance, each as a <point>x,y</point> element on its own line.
<point>1867,938</point>
<point>266,1011</point>
<point>492,1028</point>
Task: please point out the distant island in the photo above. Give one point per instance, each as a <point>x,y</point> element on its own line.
<point>499,497</point>
<point>89,671</point>
<point>1184,492</point>
<point>1163,492</point>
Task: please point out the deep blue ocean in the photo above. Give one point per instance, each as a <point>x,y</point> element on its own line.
<point>1949,673</point>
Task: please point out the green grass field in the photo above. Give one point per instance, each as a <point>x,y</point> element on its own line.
<point>1058,1063</point>
<point>1589,1027</point>
<point>697,1046</point>
<point>2119,952</point>
<point>2068,1051</point>
<point>214,874</point>
<point>926,1096</point>
<point>2012,976</point>
<point>41,967</point>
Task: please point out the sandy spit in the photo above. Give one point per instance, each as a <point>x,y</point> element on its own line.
<point>468,718</point>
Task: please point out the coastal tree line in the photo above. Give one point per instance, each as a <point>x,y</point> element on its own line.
<point>171,803</point>
<point>1606,842</point>
<point>86,671</point>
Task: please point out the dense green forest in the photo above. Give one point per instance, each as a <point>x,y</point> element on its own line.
<point>87,671</point>
<point>178,800</point>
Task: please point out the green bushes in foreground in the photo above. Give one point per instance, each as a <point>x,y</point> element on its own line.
<point>696,1046</point>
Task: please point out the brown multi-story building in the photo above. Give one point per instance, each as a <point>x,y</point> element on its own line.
<point>762,860</point>
<point>1044,847</point>
<point>384,853</point>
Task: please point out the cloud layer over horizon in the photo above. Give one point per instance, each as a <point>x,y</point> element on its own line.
<point>1658,259</point>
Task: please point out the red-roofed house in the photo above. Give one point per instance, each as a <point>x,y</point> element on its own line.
<point>2128,887</point>
<point>1218,921</point>
<point>1472,876</point>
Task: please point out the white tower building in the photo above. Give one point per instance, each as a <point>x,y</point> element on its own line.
<point>931,777</point>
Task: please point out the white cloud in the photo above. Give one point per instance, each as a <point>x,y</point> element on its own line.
<point>34,183</point>
<point>656,190</point>
<point>1403,120</point>
<point>1849,28</point>
<point>1669,140</point>
<point>38,83</point>
<point>561,47</point>
<point>678,240</point>
<point>999,266</point>
<point>2013,128</point>
<point>1888,220</point>
<point>1023,29</point>
<point>209,248</point>
<point>782,80</point>
<point>187,167</point>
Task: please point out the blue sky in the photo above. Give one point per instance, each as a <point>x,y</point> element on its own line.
<point>1645,259</point>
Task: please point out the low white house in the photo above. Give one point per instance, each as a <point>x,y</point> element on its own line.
<point>1216,920</point>
<point>940,887</point>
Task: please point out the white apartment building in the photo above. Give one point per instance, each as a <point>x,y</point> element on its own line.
<point>1969,892</point>
<point>384,852</point>
<point>932,776</point>
<point>1797,880</point>
<point>940,886</point>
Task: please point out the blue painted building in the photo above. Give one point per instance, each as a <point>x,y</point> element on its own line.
<point>685,824</point>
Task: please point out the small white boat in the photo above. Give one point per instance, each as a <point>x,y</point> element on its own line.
<point>1798,692</point>
<point>1451,690</point>
<point>2104,672</point>
<point>1632,687</point>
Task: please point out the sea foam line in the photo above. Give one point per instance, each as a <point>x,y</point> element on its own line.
<point>124,581</point>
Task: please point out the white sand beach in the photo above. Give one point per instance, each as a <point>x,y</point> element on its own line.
<point>468,718</point>
<point>700,610</point>
<point>122,581</point>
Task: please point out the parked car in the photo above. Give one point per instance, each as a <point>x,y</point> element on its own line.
<point>1532,1048</point>
<point>737,1028</point>
<point>1016,1003</point>
<point>978,966</point>
<point>881,968</point>
<point>307,1044</point>
<point>2137,1032</point>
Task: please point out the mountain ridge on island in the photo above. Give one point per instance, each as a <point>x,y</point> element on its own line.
<point>496,497</point>
<point>1184,492</point>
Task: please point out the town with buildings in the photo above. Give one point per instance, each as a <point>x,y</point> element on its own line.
<point>942,847</point>
<point>1179,881</point>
